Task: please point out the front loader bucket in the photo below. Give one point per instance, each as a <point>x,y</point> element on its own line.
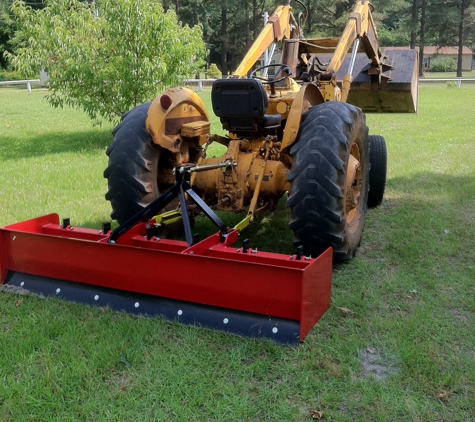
<point>209,284</point>
<point>397,92</point>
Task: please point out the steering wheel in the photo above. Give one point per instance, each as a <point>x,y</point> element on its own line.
<point>282,67</point>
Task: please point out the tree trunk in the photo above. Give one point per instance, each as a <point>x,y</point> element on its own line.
<point>224,46</point>
<point>415,16</point>
<point>255,18</point>
<point>233,52</point>
<point>195,13</point>
<point>309,17</point>
<point>422,36</point>
<point>247,26</point>
<point>463,9</point>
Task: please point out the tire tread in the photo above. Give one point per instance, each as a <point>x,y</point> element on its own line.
<point>318,176</point>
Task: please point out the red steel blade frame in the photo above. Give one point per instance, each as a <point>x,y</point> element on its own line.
<point>209,272</point>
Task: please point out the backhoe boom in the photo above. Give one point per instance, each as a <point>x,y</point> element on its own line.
<point>281,25</point>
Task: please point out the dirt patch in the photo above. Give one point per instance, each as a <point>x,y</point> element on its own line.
<point>458,315</point>
<point>18,290</point>
<point>376,366</point>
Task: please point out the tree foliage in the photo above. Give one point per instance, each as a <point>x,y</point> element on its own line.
<point>7,28</point>
<point>230,26</point>
<point>108,57</point>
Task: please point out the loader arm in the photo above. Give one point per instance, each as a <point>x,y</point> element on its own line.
<point>360,26</point>
<point>281,25</point>
<point>360,29</point>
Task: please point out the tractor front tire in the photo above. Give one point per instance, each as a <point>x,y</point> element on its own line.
<point>378,159</point>
<point>329,180</point>
<point>133,166</point>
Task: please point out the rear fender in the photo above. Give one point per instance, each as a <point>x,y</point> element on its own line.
<point>308,96</point>
<point>164,124</point>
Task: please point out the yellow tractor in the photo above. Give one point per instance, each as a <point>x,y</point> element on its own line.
<point>301,131</point>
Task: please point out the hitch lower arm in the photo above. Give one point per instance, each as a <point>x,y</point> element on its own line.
<point>180,189</point>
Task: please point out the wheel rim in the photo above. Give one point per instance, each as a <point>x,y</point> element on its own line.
<point>353,186</point>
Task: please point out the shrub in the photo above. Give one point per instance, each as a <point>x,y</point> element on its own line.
<point>444,65</point>
<point>213,71</point>
<point>10,76</point>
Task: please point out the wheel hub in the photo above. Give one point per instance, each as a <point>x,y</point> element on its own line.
<point>353,185</point>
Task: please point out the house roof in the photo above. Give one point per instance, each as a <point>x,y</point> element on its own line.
<point>433,50</point>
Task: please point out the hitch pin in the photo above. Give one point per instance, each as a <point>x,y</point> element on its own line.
<point>196,169</point>
<point>226,165</point>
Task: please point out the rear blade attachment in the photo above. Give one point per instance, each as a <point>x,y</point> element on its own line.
<point>208,284</point>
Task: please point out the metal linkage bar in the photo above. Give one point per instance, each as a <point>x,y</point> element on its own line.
<point>147,212</point>
<point>180,189</point>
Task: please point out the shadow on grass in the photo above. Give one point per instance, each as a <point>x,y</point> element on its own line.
<point>411,219</point>
<point>54,143</point>
<point>269,234</point>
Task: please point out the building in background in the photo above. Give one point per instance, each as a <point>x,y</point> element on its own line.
<point>433,54</point>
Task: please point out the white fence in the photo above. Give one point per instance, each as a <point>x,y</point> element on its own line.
<point>457,80</point>
<point>28,83</point>
<point>200,83</point>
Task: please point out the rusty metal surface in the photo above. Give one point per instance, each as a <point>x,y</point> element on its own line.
<point>274,183</point>
<point>197,128</point>
<point>397,92</point>
<point>173,126</point>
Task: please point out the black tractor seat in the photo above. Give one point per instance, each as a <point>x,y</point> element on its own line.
<point>241,105</point>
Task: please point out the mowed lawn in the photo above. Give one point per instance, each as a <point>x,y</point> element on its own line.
<point>397,344</point>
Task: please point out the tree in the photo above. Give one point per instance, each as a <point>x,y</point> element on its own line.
<point>224,38</point>
<point>450,23</point>
<point>8,27</point>
<point>109,56</point>
<point>332,16</point>
<point>422,36</point>
<point>229,26</point>
<point>464,5</point>
<point>6,30</point>
<point>414,20</point>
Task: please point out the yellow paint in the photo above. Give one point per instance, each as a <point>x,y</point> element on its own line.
<point>185,103</point>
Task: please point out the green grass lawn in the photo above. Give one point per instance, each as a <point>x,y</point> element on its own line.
<point>405,352</point>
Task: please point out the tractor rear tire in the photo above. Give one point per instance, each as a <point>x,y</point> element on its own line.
<point>329,180</point>
<point>378,159</point>
<point>133,166</point>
